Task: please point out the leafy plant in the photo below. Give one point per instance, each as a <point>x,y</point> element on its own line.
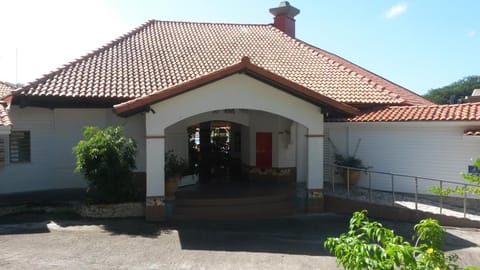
<point>349,161</point>
<point>369,245</point>
<point>106,158</point>
<point>174,165</point>
<point>473,178</point>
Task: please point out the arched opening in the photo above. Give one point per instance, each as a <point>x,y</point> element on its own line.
<point>294,124</point>
<point>240,146</point>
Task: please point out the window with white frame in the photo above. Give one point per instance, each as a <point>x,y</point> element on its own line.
<point>19,146</point>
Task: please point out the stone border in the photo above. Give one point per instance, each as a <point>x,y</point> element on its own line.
<point>119,210</point>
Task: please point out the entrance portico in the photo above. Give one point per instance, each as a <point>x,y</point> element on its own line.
<point>255,94</point>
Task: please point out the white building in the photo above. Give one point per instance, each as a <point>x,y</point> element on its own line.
<point>285,102</point>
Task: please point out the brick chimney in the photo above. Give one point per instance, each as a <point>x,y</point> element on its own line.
<point>284,17</point>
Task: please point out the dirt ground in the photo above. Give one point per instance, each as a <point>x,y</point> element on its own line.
<point>39,242</point>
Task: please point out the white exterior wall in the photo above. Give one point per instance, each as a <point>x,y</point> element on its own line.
<point>426,149</point>
<point>53,134</point>
<point>283,148</point>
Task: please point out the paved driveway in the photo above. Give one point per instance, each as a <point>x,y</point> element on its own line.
<point>290,243</point>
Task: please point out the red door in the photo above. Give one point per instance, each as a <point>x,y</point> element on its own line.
<point>264,149</point>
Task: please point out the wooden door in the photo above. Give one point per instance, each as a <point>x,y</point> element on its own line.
<point>264,149</point>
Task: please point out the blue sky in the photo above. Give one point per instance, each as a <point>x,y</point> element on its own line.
<point>417,44</point>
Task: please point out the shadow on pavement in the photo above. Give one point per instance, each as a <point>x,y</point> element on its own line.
<point>297,235</point>
<point>294,235</point>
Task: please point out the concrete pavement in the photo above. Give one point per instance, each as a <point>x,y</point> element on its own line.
<point>287,243</point>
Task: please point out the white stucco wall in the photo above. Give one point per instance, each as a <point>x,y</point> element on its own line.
<point>426,149</point>
<point>5,130</point>
<point>53,133</point>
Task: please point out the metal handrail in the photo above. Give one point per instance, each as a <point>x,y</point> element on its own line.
<point>392,177</point>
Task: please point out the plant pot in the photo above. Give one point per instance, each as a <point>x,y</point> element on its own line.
<point>354,176</point>
<point>171,186</point>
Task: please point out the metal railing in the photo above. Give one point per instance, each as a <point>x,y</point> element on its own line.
<point>393,176</point>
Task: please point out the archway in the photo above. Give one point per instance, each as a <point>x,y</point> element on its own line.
<point>238,93</point>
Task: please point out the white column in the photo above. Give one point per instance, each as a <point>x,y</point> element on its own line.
<point>155,166</point>
<point>315,161</point>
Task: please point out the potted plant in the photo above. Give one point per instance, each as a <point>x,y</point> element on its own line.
<point>355,166</point>
<point>175,166</point>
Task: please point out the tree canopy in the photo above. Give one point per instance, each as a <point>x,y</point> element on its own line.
<point>459,89</point>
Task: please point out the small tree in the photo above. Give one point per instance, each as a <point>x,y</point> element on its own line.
<point>106,158</point>
<point>369,245</point>
<point>473,178</point>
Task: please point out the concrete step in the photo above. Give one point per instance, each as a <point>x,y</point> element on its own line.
<point>237,208</point>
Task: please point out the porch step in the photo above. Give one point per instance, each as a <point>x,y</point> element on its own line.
<point>268,206</point>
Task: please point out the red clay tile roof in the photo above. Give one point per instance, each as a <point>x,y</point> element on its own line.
<point>389,87</point>
<point>456,112</point>
<point>4,117</point>
<point>245,66</point>
<point>159,55</point>
<point>5,90</point>
<point>472,132</point>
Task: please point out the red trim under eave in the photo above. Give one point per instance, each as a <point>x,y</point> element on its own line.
<point>245,65</point>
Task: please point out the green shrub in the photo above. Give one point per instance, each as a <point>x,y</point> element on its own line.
<point>473,188</point>
<point>106,158</point>
<point>369,245</point>
<point>174,165</point>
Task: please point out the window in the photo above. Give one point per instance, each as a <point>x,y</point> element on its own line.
<point>19,146</point>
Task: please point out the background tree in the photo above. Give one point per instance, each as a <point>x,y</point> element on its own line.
<point>107,159</point>
<point>459,89</point>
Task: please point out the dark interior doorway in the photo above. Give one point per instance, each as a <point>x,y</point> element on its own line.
<point>215,150</point>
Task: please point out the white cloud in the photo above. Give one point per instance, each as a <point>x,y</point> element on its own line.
<point>396,10</point>
<point>50,33</point>
<point>472,34</point>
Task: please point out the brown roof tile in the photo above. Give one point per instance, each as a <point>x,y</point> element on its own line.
<point>472,132</point>
<point>160,54</point>
<point>245,66</point>
<point>5,89</point>
<point>456,112</point>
